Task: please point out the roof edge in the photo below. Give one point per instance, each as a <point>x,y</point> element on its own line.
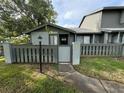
<point>49,24</point>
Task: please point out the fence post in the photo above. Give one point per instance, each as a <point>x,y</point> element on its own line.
<point>122,50</point>
<point>76,53</point>
<point>7,53</point>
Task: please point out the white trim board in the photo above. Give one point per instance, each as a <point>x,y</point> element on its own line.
<point>112,29</point>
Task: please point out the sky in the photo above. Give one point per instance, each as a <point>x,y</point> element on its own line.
<point>71,12</point>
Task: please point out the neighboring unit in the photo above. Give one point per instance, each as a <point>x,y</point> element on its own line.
<point>105,25</point>
<point>100,33</point>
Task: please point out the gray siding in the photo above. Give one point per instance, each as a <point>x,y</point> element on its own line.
<point>80,39</point>
<point>92,22</point>
<point>71,39</point>
<point>122,17</point>
<point>45,35</point>
<point>111,19</point>
<point>84,39</point>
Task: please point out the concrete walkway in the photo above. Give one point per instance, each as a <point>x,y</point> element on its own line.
<point>88,84</point>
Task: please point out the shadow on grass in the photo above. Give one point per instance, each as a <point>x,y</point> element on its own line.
<point>17,78</point>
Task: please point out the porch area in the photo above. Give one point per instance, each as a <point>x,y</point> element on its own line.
<point>112,37</point>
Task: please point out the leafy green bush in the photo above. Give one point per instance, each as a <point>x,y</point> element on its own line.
<point>23,39</point>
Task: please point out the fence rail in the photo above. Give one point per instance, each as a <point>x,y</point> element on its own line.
<point>101,49</point>
<point>30,54</point>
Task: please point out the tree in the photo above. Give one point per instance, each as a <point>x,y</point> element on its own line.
<point>17,16</point>
<point>22,39</point>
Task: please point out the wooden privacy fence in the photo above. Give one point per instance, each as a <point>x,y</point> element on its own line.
<point>101,50</point>
<point>30,54</point>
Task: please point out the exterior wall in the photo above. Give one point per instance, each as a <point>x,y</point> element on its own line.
<point>59,31</point>
<point>112,19</point>
<point>105,38</point>
<point>80,39</point>
<point>99,38</point>
<point>114,38</point>
<point>84,39</point>
<point>94,38</point>
<point>122,17</point>
<point>71,39</point>
<point>44,35</point>
<point>92,22</point>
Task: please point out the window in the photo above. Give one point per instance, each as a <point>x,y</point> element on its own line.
<point>122,38</point>
<point>114,37</point>
<point>86,39</point>
<point>80,39</point>
<point>53,40</point>
<point>98,38</point>
<point>122,17</point>
<point>63,39</point>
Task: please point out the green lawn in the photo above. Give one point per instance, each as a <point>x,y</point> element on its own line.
<point>25,79</point>
<point>102,68</point>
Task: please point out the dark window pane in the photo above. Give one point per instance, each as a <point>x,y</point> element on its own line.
<point>63,39</point>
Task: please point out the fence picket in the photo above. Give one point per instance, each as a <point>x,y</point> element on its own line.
<point>97,49</point>
<point>15,54</point>
<point>38,60</point>
<point>35,55</point>
<point>101,50</point>
<point>21,55</point>
<point>30,54</point>
<point>90,50</point>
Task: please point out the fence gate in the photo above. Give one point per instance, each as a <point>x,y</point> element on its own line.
<point>30,54</point>
<point>64,54</point>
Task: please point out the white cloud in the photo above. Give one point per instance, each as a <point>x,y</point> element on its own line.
<point>68,15</point>
<point>69,25</point>
<point>71,11</point>
<point>73,15</point>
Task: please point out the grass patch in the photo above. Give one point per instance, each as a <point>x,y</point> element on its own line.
<point>102,68</point>
<point>18,78</point>
<point>2,59</point>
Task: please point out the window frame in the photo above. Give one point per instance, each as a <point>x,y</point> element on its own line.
<point>53,39</point>
<point>67,38</point>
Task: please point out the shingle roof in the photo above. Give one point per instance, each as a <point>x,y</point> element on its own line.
<point>83,31</point>
<point>72,30</point>
<point>49,24</point>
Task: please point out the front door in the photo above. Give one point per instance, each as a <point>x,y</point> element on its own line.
<point>64,49</point>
